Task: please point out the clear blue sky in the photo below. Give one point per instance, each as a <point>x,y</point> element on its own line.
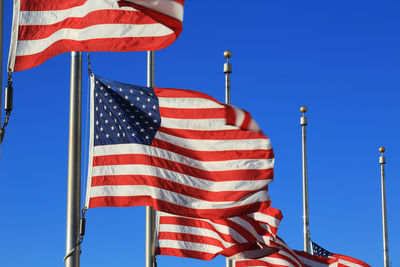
<point>339,58</point>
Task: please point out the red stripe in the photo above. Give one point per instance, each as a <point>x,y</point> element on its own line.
<point>156,182</point>
<point>192,222</point>
<point>230,115</point>
<point>105,44</point>
<point>200,113</point>
<point>213,155</point>
<point>40,5</point>
<point>185,253</point>
<point>218,176</point>
<point>214,135</point>
<point>191,238</point>
<point>36,32</point>
<point>160,205</point>
<point>246,121</point>
<point>181,93</point>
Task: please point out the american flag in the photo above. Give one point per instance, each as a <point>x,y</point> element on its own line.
<point>45,28</point>
<point>246,236</point>
<point>283,257</point>
<point>323,258</point>
<point>175,150</point>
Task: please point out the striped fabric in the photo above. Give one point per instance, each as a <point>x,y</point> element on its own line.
<point>246,236</point>
<point>283,257</point>
<point>335,260</point>
<point>45,28</point>
<point>173,149</point>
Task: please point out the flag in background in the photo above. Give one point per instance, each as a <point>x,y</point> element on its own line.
<point>45,28</point>
<point>323,258</point>
<point>247,236</point>
<point>175,150</point>
<point>282,257</point>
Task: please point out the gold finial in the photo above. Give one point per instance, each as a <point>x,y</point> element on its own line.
<point>381,149</point>
<point>303,109</point>
<point>227,54</point>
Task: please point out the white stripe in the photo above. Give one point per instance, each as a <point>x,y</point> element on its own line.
<point>183,229</point>
<point>265,218</point>
<point>53,16</point>
<point>310,262</point>
<point>28,47</point>
<point>197,124</point>
<point>167,7</point>
<point>349,263</point>
<point>249,227</point>
<point>172,197</point>
<point>187,102</point>
<point>189,245</point>
<point>240,115</point>
<point>121,149</point>
<point>180,178</point>
<point>214,145</point>
<point>14,36</point>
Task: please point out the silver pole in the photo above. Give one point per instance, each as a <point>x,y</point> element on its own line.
<point>228,71</point>
<point>74,163</point>
<point>306,223</point>
<point>382,162</point>
<point>150,214</point>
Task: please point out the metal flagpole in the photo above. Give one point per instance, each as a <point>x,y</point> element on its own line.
<point>306,223</point>
<point>382,162</point>
<point>228,71</point>
<point>72,257</point>
<point>150,214</point>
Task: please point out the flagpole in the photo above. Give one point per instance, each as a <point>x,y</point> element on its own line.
<point>228,71</point>
<point>306,223</point>
<point>382,162</point>
<point>150,214</point>
<point>72,258</point>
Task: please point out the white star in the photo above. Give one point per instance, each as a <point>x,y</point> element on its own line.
<point>146,122</point>
<point>148,99</point>
<point>123,134</point>
<point>154,107</point>
<point>118,134</point>
<point>120,89</point>
<point>132,117</point>
<point>112,128</point>
<point>109,113</point>
<point>101,115</point>
<point>131,91</point>
<point>151,94</point>
<point>109,87</point>
<point>141,92</point>
<point>97,122</point>
<point>106,94</point>
<point>101,88</point>
<point>149,113</point>
<point>97,108</point>
<point>155,121</point>
<point>137,98</point>
<point>143,106</point>
<point>106,121</point>
<point>101,129</point>
<point>97,137</point>
<point>151,128</point>
<point>126,97</point>
<point>110,100</point>
<point>105,107</point>
<point>123,120</point>
<point>147,137</point>
<point>132,104</point>
<point>96,94</point>
<point>107,135</point>
<point>142,130</point>
<point>97,82</point>
<point>137,123</point>
<point>100,100</point>
<point>129,127</point>
<point>133,134</point>
<point>114,107</point>
<point>119,113</point>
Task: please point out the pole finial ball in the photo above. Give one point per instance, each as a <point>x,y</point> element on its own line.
<point>381,149</point>
<point>227,54</point>
<point>303,109</point>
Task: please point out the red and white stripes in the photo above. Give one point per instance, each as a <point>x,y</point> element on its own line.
<point>45,28</point>
<point>237,237</point>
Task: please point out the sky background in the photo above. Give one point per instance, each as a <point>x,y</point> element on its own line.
<point>339,58</point>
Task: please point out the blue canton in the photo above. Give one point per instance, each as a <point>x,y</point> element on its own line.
<point>124,113</point>
<point>319,251</point>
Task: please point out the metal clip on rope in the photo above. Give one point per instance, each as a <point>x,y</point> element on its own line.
<point>81,235</point>
<point>8,105</point>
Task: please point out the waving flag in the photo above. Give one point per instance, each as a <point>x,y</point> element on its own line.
<point>247,236</point>
<point>45,28</point>
<point>324,258</point>
<point>175,150</point>
<point>283,257</point>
